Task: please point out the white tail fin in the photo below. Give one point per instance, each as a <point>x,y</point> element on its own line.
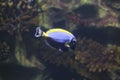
<point>38,32</point>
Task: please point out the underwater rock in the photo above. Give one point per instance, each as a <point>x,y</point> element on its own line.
<point>89,58</point>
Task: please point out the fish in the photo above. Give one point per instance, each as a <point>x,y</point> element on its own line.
<point>58,38</point>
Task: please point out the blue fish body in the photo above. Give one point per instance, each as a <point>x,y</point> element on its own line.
<point>57,38</point>
<point>61,37</point>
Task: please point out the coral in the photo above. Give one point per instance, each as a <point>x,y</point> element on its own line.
<point>90,57</point>
<point>17,18</point>
<point>96,56</point>
<point>17,15</point>
<point>116,50</point>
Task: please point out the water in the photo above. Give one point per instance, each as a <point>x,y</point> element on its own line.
<point>95,24</point>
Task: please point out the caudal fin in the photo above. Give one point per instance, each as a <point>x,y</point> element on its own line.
<point>38,32</point>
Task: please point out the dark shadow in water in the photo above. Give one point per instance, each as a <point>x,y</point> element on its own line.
<point>87,11</point>
<point>102,35</point>
<point>60,24</point>
<point>17,72</point>
<point>5,37</point>
<point>57,17</point>
<point>62,73</point>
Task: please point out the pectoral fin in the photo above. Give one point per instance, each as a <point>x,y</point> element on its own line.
<point>67,44</point>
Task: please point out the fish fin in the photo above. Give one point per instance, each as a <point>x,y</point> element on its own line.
<point>48,44</point>
<point>67,44</point>
<point>40,33</point>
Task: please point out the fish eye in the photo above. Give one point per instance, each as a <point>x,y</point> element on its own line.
<point>73,45</point>
<point>73,42</point>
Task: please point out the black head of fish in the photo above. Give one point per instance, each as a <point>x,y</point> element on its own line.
<point>73,44</point>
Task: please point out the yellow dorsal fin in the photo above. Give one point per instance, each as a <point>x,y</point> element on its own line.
<point>57,30</point>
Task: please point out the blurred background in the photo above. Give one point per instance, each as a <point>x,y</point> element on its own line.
<point>95,23</point>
